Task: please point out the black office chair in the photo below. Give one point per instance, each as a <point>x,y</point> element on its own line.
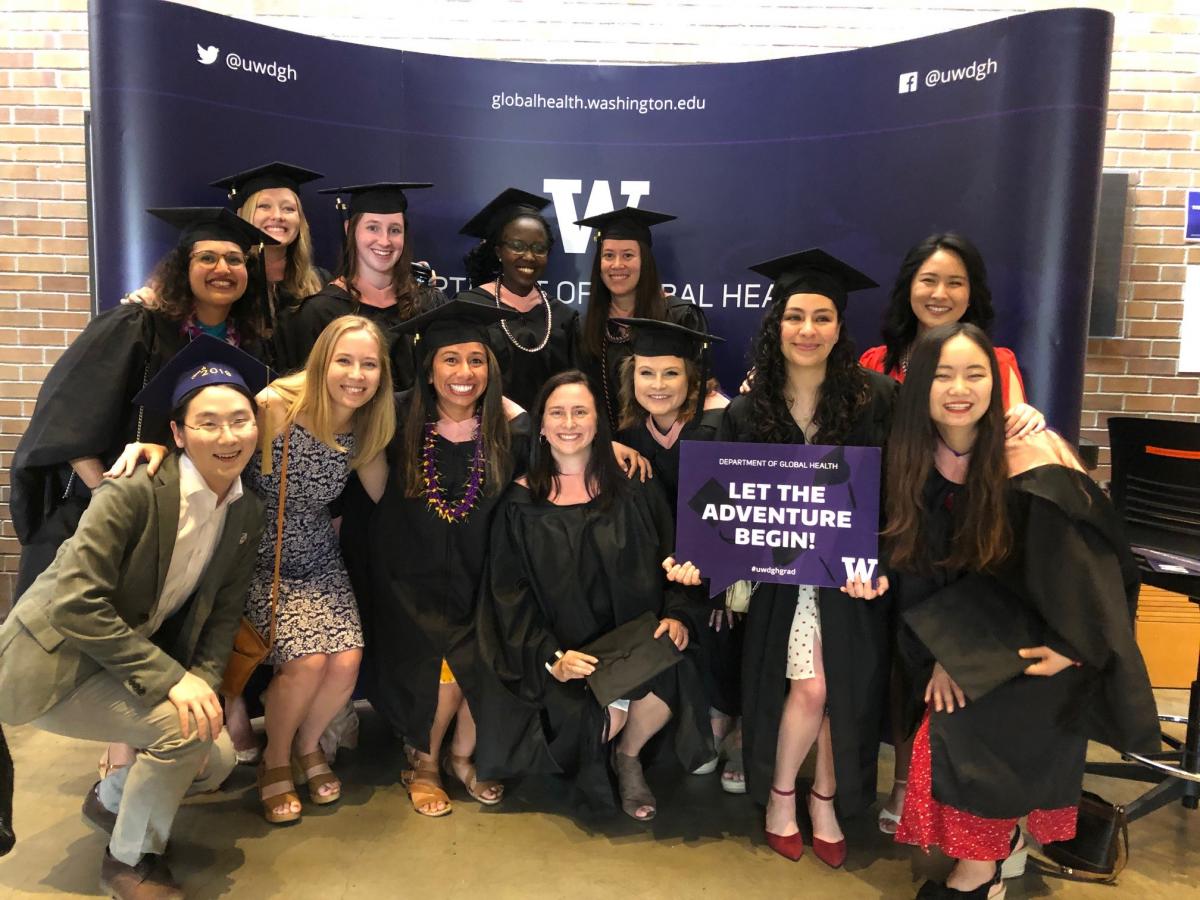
<point>1156,489</point>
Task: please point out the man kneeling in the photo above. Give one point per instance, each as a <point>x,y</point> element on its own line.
<point>127,633</point>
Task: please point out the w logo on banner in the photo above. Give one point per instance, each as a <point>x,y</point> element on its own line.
<point>207,55</point>
<point>563,190</point>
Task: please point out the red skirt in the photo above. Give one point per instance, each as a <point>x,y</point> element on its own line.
<point>961,835</point>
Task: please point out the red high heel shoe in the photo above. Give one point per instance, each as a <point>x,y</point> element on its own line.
<point>789,846</point>
<point>832,853</point>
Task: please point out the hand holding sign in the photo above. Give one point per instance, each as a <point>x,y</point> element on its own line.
<point>686,573</point>
<point>863,589</point>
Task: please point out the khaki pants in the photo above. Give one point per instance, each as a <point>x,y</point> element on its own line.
<point>147,794</point>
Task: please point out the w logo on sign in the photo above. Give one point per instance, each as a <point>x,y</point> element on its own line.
<point>207,55</point>
<point>600,200</point>
<point>857,568</point>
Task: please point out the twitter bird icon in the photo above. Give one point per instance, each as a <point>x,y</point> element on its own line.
<point>207,55</point>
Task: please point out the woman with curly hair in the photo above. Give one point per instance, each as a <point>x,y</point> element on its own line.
<point>374,278</point>
<point>84,415</point>
<point>268,197</point>
<point>815,668</point>
<point>515,242</point>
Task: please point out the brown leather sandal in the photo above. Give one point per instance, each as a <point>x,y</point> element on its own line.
<point>313,770</point>
<point>632,787</point>
<point>425,787</point>
<point>477,789</point>
<point>275,788</point>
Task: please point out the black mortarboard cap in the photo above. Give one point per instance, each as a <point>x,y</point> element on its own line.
<point>813,272</point>
<point>383,197</point>
<point>627,657</point>
<point>652,337</point>
<point>509,204</point>
<point>205,361</point>
<point>628,224</point>
<point>456,322</point>
<point>211,223</point>
<point>273,175</point>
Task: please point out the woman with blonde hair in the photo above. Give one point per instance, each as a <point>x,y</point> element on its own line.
<point>326,422</point>
<point>269,198</point>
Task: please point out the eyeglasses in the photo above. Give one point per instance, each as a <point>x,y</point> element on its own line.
<point>209,259</point>
<point>237,427</point>
<point>538,249</point>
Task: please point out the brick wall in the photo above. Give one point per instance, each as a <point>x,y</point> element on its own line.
<point>1154,131</point>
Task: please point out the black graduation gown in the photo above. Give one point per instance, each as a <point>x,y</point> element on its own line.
<point>560,577</point>
<point>424,576</point>
<point>665,460</point>
<point>722,657</point>
<point>854,640</point>
<point>85,408</point>
<point>304,325</point>
<point>1071,581</point>
<point>524,373</point>
<point>681,312</point>
<point>283,357</point>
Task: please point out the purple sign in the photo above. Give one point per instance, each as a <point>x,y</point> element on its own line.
<point>1191,230</point>
<point>787,513</point>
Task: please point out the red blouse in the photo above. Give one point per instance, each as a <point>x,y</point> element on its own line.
<point>873,359</point>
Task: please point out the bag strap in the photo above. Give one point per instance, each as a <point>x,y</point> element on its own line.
<point>283,468</point>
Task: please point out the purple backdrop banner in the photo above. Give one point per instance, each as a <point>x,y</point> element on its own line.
<point>995,130</point>
<point>787,513</point>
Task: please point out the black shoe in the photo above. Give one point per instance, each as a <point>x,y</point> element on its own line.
<point>150,879</point>
<point>96,814</point>
<point>939,890</point>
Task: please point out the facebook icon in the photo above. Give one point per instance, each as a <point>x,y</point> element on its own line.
<point>908,82</point>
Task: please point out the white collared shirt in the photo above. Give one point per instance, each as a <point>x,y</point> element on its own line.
<point>201,521</point>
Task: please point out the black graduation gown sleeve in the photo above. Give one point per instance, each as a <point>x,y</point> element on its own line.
<point>306,320</point>
<point>287,358</point>
<point>687,604</point>
<point>735,424</point>
<point>528,644</point>
<point>1086,593</point>
<point>85,409</point>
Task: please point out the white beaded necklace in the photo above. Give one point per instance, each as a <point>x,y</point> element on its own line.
<point>549,322</point>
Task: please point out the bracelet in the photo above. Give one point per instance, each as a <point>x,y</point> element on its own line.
<point>558,654</point>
